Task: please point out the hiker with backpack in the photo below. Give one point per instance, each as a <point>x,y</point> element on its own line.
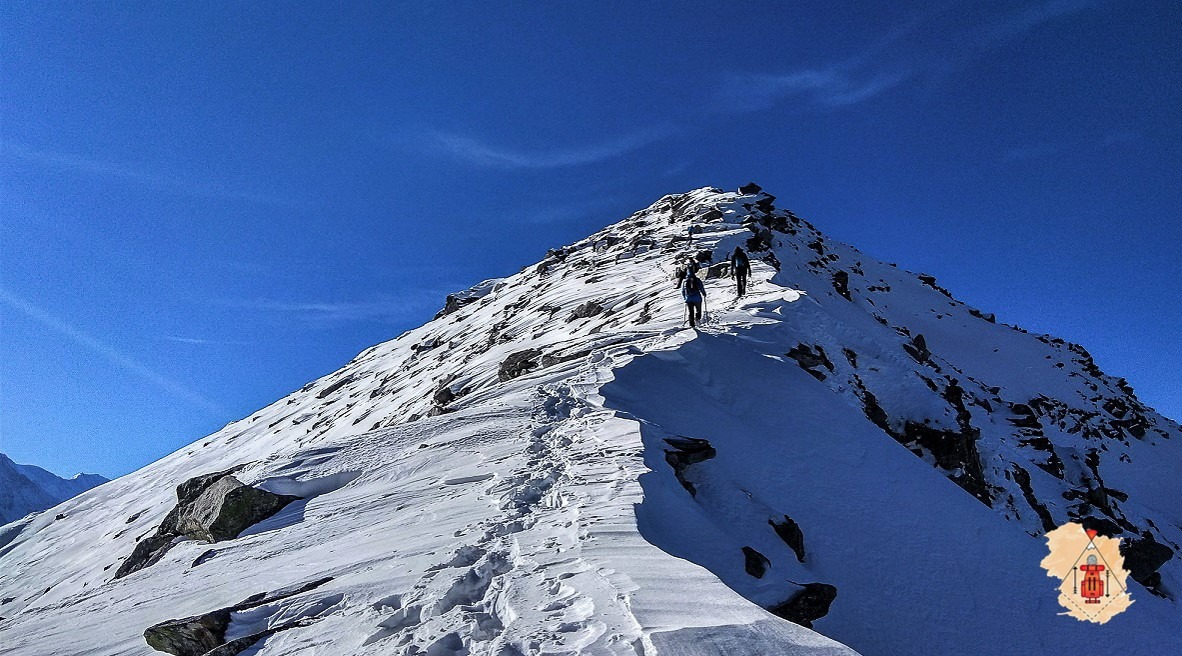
<point>740,269</point>
<point>690,267</point>
<point>694,293</point>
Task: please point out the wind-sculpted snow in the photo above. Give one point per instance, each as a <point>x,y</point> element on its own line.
<point>554,465</point>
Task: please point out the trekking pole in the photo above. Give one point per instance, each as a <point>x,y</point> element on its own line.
<point>705,309</point>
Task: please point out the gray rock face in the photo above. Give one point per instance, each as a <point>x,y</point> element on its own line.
<point>807,605</point>
<point>519,363</point>
<point>205,634</point>
<point>687,451</point>
<point>210,508</point>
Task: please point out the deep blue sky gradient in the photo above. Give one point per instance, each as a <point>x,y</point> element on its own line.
<point>203,208</point>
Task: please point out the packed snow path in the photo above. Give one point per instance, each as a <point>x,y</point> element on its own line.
<point>496,481</point>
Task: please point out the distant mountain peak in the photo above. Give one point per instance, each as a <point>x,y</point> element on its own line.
<point>27,489</point>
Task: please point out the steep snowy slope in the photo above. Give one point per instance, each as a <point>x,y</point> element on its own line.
<point>26,489</point>
<point>555,465</point>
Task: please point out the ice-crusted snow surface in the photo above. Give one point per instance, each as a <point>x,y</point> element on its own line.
<point>28,489</point>
<point>502,480</point>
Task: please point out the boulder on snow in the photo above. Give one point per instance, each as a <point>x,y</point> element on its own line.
<point>750,189</point>
<point>841,283</point>
<point>585,311</point>
<point>205,634</point>
<point>212,508</point>
<point>518,364</point>
<point>918,349</point>
<point>1143,556</point>
<point>755,563</point>
<point>808,604</point>
<point>789,531</point>
<point>810,358</point>
<point>720,270</point>
<point>687,451</point>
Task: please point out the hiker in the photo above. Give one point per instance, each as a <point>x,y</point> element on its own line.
<point>740,269</point>
<point>694,293</point>
<point>690,267</point>
<point>690,235</point>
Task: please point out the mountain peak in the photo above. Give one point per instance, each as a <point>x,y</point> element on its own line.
<point>556,464</point>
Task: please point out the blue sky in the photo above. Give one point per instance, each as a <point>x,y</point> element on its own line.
<point>203,208</point>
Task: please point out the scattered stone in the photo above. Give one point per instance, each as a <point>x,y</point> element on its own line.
<point>755,563</point>
<point>1143,557</point>
<point>809,604</point>
<point>518,364</point>
<point>841,283</point>
<point>687,451</point>
<point>205,634</point>
<point>811,357</point>
<point>789,531</point>
<point>585,311</point>
<point>918,349</point>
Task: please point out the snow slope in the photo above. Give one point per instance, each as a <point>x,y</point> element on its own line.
<point>512,477</point>
<point>27,489</point>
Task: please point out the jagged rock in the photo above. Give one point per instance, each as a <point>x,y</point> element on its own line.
<point>750,189</point>
<point>452,304</point>
<point>1022,478</point>
<point>334,387</point>
<point>811,357</point>
<point>789,531</point>
<point>841,283</point>
<point>518,364</point>
<point>687,451</point>
<point>585,311</point>
<point>720,270</point>
<point>755,563</point>
<point>205,634</point>
<point>930,281</point>
<point>1143,556</point>
<point>918,349</point>
<point>807,605</point>
<point>211,508</point>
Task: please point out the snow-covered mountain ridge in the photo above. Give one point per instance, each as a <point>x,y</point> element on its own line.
<point>554,464</point>
<point>28,489</point>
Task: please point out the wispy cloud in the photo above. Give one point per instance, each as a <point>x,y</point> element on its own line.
<point>481,153</point>
<point>386,309</point>
<point>144,176</point>
<point>1017,23</point>
<point>109,353</point>
<point>199,341</point>
<point>884,64</point>
<point>827,87</point>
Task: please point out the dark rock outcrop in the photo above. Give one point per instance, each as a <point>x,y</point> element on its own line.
<point>205,634</point>
<point>807,605</point>
<point>212,508</point>
<point>687,451</point>
<point>755,563</point>
<point>1143,556</point>
<point>518,364</point>
<point>810,358</point>
<point>750,189</point>
<point>789,531</point>
<point>585,311</point>
<point>918,349</point>
<point>841,283</point>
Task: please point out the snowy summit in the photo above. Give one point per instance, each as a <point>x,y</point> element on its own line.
<point>844,460</point>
